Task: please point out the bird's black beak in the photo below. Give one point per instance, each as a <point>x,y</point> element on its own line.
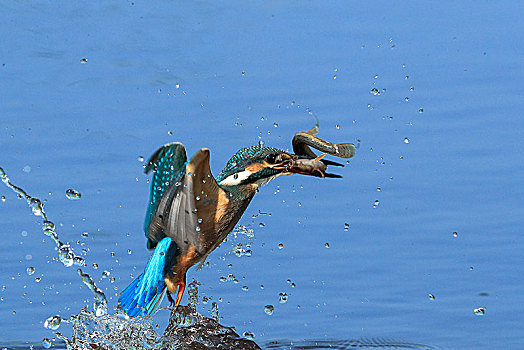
<point>307,166</point>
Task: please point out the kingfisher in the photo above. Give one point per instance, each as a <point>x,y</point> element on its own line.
<point>191,212</point>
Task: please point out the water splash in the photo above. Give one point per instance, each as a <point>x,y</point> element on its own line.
<point>187,329</point>
<point>100,305</point>
<point>66,253</point>
<point>110,332</point>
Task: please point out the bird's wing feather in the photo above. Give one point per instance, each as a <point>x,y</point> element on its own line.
<point>187,212</point>
<point>168,164</point>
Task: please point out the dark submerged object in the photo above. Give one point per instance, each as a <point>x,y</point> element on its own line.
<point>190,212</point>
<point>189,330</point>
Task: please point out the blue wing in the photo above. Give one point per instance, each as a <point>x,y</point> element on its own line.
<point>145,293</point>
<point>169,165</point>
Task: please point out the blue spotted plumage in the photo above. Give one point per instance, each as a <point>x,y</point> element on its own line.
<point>168,165</point>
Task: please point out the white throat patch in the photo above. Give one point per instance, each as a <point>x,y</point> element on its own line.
<point>236,178</point>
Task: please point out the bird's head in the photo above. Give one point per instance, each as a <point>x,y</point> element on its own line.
<point>257,165</point>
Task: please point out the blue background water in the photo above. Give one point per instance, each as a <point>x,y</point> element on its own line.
<point>241,67</point>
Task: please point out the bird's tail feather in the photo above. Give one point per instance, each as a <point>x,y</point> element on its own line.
<point>144,295</point>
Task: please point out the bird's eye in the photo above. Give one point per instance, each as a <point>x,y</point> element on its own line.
<point>270,158</point>
<point>235,176</point>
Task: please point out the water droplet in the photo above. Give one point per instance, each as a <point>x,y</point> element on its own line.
<point>480,311</point>
<point>53,323</point>
<point>72,194</point>
<point>197,229</point>
<point>376,76</point>
<point>455,234</point>
<point>83,60</point>
<point>100,308</point>
<point>197,198</point>
<point>129,251</point>
<point>346,226</point>
<point>3,198</point>
<point>376,203</point>
<point>268,309</point>
<point>27,169</point>
<point>46,343</point>
<point>280,245</point>
<point>326,245</point>
<point>282,297</point>
<point>38,279</point>
<point>249,335</point>
<point>337,126</point>
<point>95,266</point>
<point>375,91</point>
<point>261,224</point>
<point>140,159</point>
<point>379,189</point>
<point>24,233</point>
<point>37,207</point>
<point>48,225</point>
<point>421,110</point>
<point>406,140</point>
<point>199,221</point>
<point>245,288</point>
<point>105,274</point>
<point>30,270</point>
<point>275,125</point>
<point>406,99</point>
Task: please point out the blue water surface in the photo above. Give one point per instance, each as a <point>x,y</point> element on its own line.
<point>88,88</point>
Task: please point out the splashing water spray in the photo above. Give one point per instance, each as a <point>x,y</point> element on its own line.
<point>99,328</point>
<point>66,253</point>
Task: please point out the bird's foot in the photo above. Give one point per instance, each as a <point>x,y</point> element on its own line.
<point>181,286</point>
